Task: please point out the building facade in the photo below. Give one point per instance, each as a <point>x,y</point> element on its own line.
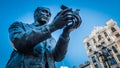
<point>103,46</point>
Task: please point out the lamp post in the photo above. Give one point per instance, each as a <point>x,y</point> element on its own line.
<point>97,55</point>
<point>105,54</point>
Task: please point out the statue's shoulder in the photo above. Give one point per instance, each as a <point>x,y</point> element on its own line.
<point>16,24</point>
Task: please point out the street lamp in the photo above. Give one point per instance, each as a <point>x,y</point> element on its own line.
<point>97,55</point>
<point>105,54</point>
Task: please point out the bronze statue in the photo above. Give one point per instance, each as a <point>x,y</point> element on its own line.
<point>34,47</point>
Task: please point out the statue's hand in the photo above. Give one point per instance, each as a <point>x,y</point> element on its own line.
<point>60,19</point>
<point>77,19</point>
<point>75,23</point>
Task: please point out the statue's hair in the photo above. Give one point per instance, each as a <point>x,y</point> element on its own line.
<point>39,8</point>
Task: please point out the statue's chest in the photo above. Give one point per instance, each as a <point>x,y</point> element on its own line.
<point>40,48</point>
<point>43,46</point>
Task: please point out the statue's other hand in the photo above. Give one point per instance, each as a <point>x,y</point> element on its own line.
<point>60,19</point>
<point>75,23</point>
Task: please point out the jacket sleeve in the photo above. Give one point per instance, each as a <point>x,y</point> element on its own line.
<point>61,48</point>
<point>24,41</point>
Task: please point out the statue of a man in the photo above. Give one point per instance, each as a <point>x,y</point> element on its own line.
<point>34,47</point>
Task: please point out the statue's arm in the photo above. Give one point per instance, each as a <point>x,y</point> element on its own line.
<point>61,47</point>
<point>24,41</point>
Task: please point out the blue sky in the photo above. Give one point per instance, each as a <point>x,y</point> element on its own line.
<point>93,13</point>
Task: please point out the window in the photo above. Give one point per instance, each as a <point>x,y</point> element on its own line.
<point>113,29</point>
<point>118,56</point>
<point>105,54</point>
<point>109,39</point>
<point>102,43</point>
<point>112,61</point>
<point>94,41</point>
<point>90,50</point>
<point>93,59</point>
<point>114,49</point>
<point>99,37</point>
<point>88,44</point>
<point>105,34</point>
<point>117,35</point>
<point>99,54</point>
<point>96,66</point>
<point>99,46</point>
<point>105,65</point>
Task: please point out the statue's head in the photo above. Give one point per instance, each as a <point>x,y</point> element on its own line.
<point>42,15</point>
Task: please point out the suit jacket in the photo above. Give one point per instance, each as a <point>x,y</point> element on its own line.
<point>34,47</point>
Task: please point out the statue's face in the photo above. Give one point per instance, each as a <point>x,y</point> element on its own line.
<point>42,15</point>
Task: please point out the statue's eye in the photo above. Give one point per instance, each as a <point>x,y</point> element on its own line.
<point>45,11</point>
